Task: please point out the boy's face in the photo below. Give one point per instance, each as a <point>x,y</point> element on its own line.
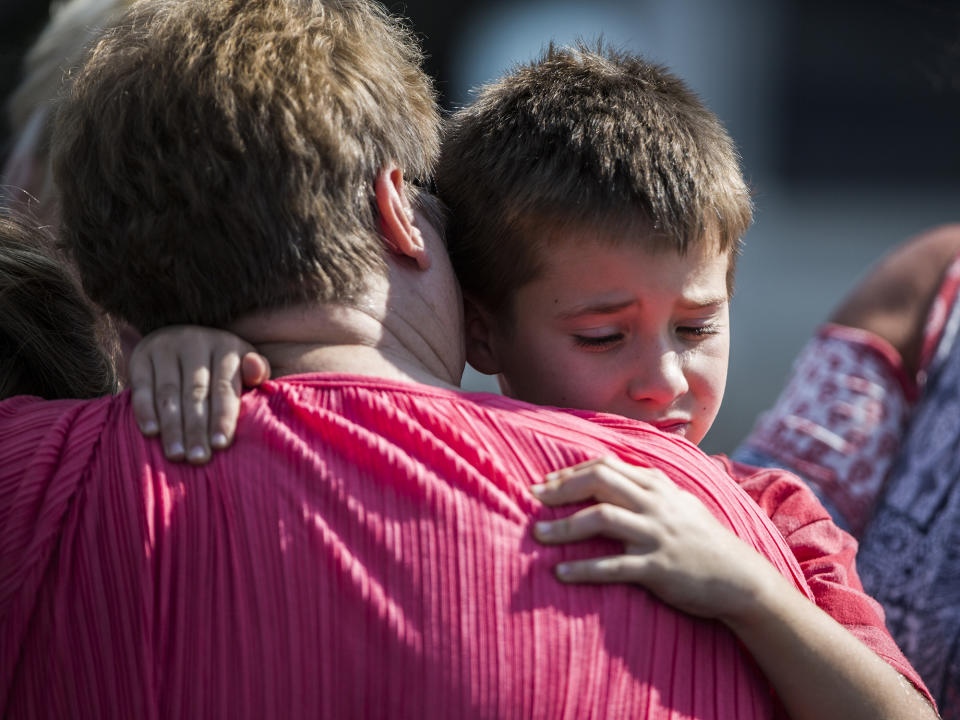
<point>617,328</point>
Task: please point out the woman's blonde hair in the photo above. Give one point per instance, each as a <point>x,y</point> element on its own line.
<point>218,157</point>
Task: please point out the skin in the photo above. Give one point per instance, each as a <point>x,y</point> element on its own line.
<point>893,301</point>
<point>157,391</point>
<point>610,326</point>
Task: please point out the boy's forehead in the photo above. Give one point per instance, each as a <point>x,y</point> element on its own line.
<point>562,241</point>
<point>558,253</point>
<point>601,266</point>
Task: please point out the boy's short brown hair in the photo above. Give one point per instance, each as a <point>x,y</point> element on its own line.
<point>217,157</point>
<point>583,138</point>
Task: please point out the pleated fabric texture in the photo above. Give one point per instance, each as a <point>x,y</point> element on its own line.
<point>364,550</point>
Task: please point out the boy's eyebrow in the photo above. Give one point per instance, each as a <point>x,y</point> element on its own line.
<point>698,303</point>
<point>609,308</point>
<point>598,308</point>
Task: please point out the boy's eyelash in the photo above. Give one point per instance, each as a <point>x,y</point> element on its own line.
<point>699,330</point>
<point>588,341</point>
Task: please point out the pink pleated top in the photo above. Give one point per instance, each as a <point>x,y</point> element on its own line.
<point>364,550</point>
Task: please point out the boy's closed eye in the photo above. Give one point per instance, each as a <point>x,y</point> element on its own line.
<point>699,331</point>
<point>603,339</point>
<point>607,338</point>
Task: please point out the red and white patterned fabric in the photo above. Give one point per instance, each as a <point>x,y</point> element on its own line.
<point>937,340</point>
<point>839,421</point>
<point>905,504</point>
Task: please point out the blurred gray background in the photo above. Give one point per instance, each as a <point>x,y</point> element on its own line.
<point>846,114</point>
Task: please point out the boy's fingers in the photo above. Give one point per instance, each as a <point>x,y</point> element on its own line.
<point>140,371</point>
<point>564,473</point>
<point>600,482</point>
<point>613,569</point>
<point>172,372</point>
<point>646,477</point>
<point>255,369</point>
<point>195,371</point>
<point>167,397</point>
<point>225,400</point>
<point>604,519</point>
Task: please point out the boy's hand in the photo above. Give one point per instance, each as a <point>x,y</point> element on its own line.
<point>186,383</point>
<point>674,547</point>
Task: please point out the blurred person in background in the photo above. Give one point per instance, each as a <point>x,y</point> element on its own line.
<point>26,185</point>
<point>871,419</point>
<point>26,177</point>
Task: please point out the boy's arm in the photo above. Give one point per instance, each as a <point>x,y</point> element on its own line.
<point>677,550</point>
<point>186,382</point>
<point>826,554</point>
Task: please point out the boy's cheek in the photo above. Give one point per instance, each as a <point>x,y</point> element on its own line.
<point>546,375</point>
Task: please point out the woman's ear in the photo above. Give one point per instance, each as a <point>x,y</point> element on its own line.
<point>397,226</point>
<point>479,330</point>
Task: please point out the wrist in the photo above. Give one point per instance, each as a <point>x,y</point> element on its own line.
<point>756,602</point>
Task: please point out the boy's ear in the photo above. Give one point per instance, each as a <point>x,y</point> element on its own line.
<point>397,227</point>
<point>478,329</point>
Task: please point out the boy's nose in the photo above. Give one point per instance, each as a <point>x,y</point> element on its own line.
<point>660,380</point>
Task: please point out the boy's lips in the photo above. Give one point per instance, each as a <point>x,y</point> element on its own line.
<point>676,426</point>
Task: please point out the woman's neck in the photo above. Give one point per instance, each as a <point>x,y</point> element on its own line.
<point>360,340</point>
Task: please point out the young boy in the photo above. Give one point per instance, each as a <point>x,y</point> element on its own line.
<point>597,209</point>
<point>596,215</point>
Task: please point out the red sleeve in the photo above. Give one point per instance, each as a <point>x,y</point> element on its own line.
<point>827,556</point>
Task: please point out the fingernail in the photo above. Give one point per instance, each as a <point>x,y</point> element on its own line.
<point>219,440</point>
<point>537,490</point>
<point>150,428</point>
<point>543,528</point>
<point>551,476</point>
<point>563,570</point>
<point>198,453</point>
<point>175,449</point>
